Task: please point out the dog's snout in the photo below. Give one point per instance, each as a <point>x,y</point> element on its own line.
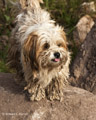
<point>57,54</point>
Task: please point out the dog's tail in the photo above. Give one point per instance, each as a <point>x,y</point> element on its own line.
<point>30,3</point>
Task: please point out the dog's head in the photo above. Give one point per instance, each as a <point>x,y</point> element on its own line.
<point>46,48</point>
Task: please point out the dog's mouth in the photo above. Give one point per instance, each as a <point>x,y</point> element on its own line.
<point>56,60</point>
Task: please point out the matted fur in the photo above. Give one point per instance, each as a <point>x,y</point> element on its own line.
<point>34,42</point>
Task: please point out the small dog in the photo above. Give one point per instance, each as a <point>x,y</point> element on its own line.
<point>38,51</point>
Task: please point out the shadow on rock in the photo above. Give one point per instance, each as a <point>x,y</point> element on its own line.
<point>7,83</point>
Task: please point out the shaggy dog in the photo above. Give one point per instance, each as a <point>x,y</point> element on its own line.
<point>38,51</point>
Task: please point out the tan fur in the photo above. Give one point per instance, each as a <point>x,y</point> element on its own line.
<point>30,3</point>
<point>35,40</point>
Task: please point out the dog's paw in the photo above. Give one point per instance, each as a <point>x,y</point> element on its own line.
<point>55,96</point>
<point>37,93</point>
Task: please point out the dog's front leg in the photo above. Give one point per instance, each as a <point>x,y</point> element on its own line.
<point>55,90</point>
<point>36,92</point>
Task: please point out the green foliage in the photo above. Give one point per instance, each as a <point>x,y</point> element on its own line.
<point>3,67</point>
<point>6,20</point>
<point>3,54</point>
<point>64,11</point>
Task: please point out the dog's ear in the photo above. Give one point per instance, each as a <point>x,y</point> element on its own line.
<point>65,39</point>
<point>30,3</point>
<point>29,50</point>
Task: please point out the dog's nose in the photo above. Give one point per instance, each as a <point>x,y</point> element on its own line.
<point>57,54</point>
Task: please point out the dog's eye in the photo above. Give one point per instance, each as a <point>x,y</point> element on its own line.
<point>59,45</point>
<point>46,46</point>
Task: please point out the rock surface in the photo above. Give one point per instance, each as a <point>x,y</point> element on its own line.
<point>84,66</point>
<point>78,104</point>
<point>83,27</point>
<point>88,7</point>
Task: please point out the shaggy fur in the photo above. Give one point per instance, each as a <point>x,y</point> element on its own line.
<point>38,51</point>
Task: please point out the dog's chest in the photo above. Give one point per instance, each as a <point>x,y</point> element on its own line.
<point>45,77</point>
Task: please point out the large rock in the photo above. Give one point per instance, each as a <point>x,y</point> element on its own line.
<point>88,7</point>
<point>83,27</point>
<point>78,104</point>
<point>84,66</point>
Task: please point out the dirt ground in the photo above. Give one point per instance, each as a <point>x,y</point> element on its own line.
<point>78,104</point>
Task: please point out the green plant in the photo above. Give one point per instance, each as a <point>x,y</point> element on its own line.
<point>3,67</point>
<point>6,19</point>
<point>6,22</point>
